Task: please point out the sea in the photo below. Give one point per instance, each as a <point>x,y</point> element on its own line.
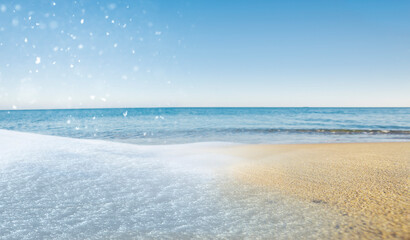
<point>152,173</point>
<point>158,126</point>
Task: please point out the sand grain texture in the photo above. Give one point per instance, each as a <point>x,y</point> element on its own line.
<point>365,181</point>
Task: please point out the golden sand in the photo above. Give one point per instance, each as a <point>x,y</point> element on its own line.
<point>367,182</point>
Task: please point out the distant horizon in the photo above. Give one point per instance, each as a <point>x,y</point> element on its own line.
<point>39,109</point>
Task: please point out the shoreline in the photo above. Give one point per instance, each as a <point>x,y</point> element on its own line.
<point>367,182</point>
<point>337,191</point>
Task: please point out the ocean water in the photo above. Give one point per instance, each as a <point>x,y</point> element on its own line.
<point>153,174</point>
<point>239,125</point>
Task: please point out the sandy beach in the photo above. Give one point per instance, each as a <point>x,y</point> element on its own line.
<point>53,187</point>
<point>365,182</point>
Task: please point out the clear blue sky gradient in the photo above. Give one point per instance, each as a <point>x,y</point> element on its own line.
<point>204,53</point>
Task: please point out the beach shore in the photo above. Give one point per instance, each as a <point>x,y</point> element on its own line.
<point>366,182</point>
<point>53,187</point>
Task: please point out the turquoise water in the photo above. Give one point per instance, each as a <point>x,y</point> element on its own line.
<point>242,125</point>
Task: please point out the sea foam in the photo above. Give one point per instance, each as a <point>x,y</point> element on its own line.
<point>63,188</point>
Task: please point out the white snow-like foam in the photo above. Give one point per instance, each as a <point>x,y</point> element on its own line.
<point>62,188</point>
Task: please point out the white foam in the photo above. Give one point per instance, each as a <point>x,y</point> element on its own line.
<point>62,188</point>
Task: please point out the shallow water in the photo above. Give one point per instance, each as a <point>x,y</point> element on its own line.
<point>244,125</point>
<point>62,188</point>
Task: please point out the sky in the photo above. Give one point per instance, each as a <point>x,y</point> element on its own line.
<point>194,53</point>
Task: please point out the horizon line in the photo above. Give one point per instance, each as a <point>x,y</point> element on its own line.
<point>97,108</point>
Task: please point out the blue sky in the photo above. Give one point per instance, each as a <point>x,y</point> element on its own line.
<point>81,54</point>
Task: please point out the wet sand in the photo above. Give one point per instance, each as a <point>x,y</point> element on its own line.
<point>365,182</point>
